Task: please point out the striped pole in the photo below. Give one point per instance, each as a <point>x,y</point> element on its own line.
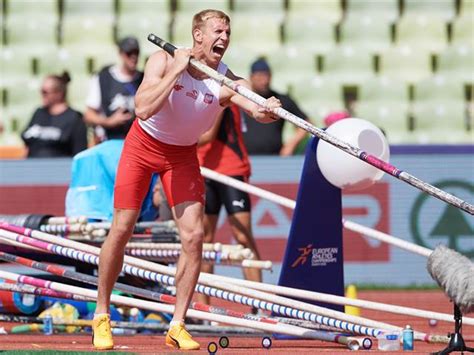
<point>264,305</point>
<point>291,311</point>
<point>351,342</point>
<point>39,291</point>
<point>321,134</point>
<point>234,258</point>
<point>140,227</point>
<point>214,292</point>
<point>218,247</point>
<point>152,326</point>
<point>136,291</point>
<point>67,220</point>
<point>170,253</point>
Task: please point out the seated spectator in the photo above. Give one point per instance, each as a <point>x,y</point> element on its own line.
<point>55,130</point>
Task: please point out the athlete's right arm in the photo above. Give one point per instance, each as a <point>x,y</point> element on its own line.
<point>161,73</point>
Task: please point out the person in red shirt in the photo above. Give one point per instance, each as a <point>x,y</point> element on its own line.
<point>222,149</point>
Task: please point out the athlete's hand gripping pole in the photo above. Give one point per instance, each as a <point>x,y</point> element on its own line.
<point>321,134</point>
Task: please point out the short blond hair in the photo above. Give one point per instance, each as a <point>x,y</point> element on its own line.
<point>201,17</point>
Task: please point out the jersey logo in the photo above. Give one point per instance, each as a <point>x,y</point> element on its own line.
<point>239,203</point>
<point>208,98</point>
<point>192,94</point>
<point>178,87</point>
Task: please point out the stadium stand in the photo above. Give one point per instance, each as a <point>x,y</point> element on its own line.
<point>154,17</point>
<point>439,107</point>
<point>384,10</point>
<point>457,62</point>
<point>328,10</point>
<point>246,26</point>
<point>88,27</point>
<point>318,96</point>
<point>190,7</point>
<point>366,33</point>
<point>31,26</point>
<point>466,8</point>
<point>422,32</point>
<point>290,65</point>
<point>305,32</point>
<point>239,62</point>
<point>385,102</point>
<point>77,91</point>
<point>463,30</point>
<point>268,7</point>
<point>442,9</point>
<point>21,103</point>
<point>16,68</point>
<point>405,63</point>
<point>61,60</point>
<point>348,65</point>
<point>315,49</point>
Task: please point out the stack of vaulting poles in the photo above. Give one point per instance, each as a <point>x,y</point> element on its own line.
<point>258,295</point>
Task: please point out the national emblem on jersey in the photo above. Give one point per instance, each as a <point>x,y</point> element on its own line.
<point>208,98</point>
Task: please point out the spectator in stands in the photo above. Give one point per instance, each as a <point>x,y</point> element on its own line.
<point>222,149</point>
<point>110,102</point>
<point>55,130</point>
<point>268,139</point>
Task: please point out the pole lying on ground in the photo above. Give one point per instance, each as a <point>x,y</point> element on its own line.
<point>152,326</point>
<point>82,255</point>
<point>166,279</point>
<point>87,253</point>
<point>136,291</point>
<point>352,343</point>
<point>321,134</point>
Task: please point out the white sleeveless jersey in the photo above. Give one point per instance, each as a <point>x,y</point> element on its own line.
<point>190,110</point>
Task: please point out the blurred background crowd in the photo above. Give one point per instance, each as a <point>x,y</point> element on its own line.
<point>405,65</point>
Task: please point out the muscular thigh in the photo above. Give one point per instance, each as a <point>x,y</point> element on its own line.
<point>182,180</point>
<point>133,177</point>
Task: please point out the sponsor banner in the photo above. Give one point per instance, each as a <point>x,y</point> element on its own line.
<point>391,206</point>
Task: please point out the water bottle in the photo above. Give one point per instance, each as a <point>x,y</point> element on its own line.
<point>407,337</point>
<point>48,324</point>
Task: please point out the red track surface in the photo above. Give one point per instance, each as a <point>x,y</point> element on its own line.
<point>144,344</point>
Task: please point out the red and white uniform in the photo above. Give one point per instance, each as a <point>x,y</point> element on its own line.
<point>166,143</point>
<point>190,110</point>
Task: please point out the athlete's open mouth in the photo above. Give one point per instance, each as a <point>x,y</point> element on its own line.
<point>218,49</point>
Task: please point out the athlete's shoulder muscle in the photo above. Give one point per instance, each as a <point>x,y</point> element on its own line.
<point>156,67</point>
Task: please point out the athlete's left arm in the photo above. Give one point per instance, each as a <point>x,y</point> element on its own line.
<point>262,114</point>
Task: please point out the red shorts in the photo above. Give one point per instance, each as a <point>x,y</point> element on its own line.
<point>142,156</point>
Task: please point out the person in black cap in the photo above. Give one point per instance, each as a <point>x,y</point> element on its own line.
<point>268,139</point>
<point>110,102</point>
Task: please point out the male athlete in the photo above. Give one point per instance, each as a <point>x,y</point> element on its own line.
<point>175,105</point>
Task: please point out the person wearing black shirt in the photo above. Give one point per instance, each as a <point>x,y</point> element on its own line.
<point>55,130</point>
<point>110,102</point>
<point>267,139</point>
